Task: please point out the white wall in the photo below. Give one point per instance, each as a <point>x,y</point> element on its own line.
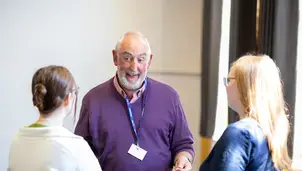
<point>81,35</point>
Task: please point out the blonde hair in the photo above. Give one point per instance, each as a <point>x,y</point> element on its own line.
<point>260,88</point>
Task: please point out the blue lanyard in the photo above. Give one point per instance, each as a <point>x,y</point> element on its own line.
<point>136,132</point>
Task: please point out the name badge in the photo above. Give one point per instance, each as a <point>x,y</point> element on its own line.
<point>137,152</point>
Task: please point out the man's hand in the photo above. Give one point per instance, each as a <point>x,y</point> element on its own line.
<point>182,163</point>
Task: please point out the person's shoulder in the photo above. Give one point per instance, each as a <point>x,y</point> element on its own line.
<point>68,139</point>
<point>162,88</point>
<point>235,136</point>
<point>236,129</point>
<point>55,137</point>
<point>248,127</point>
<point>243,125</point>
<point>68,134</point>
<point>62,134</point>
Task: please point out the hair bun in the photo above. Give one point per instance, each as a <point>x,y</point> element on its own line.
<point>39,93</point>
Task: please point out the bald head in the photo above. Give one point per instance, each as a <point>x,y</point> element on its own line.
<point>129,38</point>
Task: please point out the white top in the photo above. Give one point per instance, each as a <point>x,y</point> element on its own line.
<point>50,149</point>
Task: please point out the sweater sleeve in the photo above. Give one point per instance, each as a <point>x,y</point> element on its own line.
<point>82,127</point>
<point>181,136</point>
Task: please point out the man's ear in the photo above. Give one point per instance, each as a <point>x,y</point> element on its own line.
<point>149,63</point>
<point>114,55</point>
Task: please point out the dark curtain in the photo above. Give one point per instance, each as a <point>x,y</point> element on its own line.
<point>278,38</point>
<point>242,34</point>
<point>210,64</point>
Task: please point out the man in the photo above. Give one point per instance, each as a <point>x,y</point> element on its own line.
<point>133,122</point>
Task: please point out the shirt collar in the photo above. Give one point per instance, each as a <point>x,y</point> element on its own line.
<point>120,90</point>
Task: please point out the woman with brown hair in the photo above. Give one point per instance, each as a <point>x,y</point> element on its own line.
<point>258,141</point>
<point>46,145</point>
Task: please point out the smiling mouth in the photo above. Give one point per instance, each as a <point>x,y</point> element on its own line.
<point>132,77</point>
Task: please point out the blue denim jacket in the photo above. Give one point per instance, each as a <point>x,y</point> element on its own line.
<point>242,146</point>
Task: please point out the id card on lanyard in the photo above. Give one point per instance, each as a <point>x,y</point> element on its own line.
<point>135,149</point>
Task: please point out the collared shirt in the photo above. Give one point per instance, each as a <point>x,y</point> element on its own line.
<point>120,90</point>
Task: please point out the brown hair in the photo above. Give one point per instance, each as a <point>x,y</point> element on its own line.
<point>50,86</point>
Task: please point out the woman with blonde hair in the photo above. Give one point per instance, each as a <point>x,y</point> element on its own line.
<point>258,141</point>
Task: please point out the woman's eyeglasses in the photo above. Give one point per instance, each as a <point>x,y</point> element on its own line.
<point>75,90</point>
<point>227,80</point>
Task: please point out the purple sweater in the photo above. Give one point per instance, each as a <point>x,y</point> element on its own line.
<point>105,125</point>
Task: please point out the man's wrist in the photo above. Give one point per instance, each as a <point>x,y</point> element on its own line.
<point>184,154</point>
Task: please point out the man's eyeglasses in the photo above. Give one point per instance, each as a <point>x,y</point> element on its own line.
<point>227,80</point>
